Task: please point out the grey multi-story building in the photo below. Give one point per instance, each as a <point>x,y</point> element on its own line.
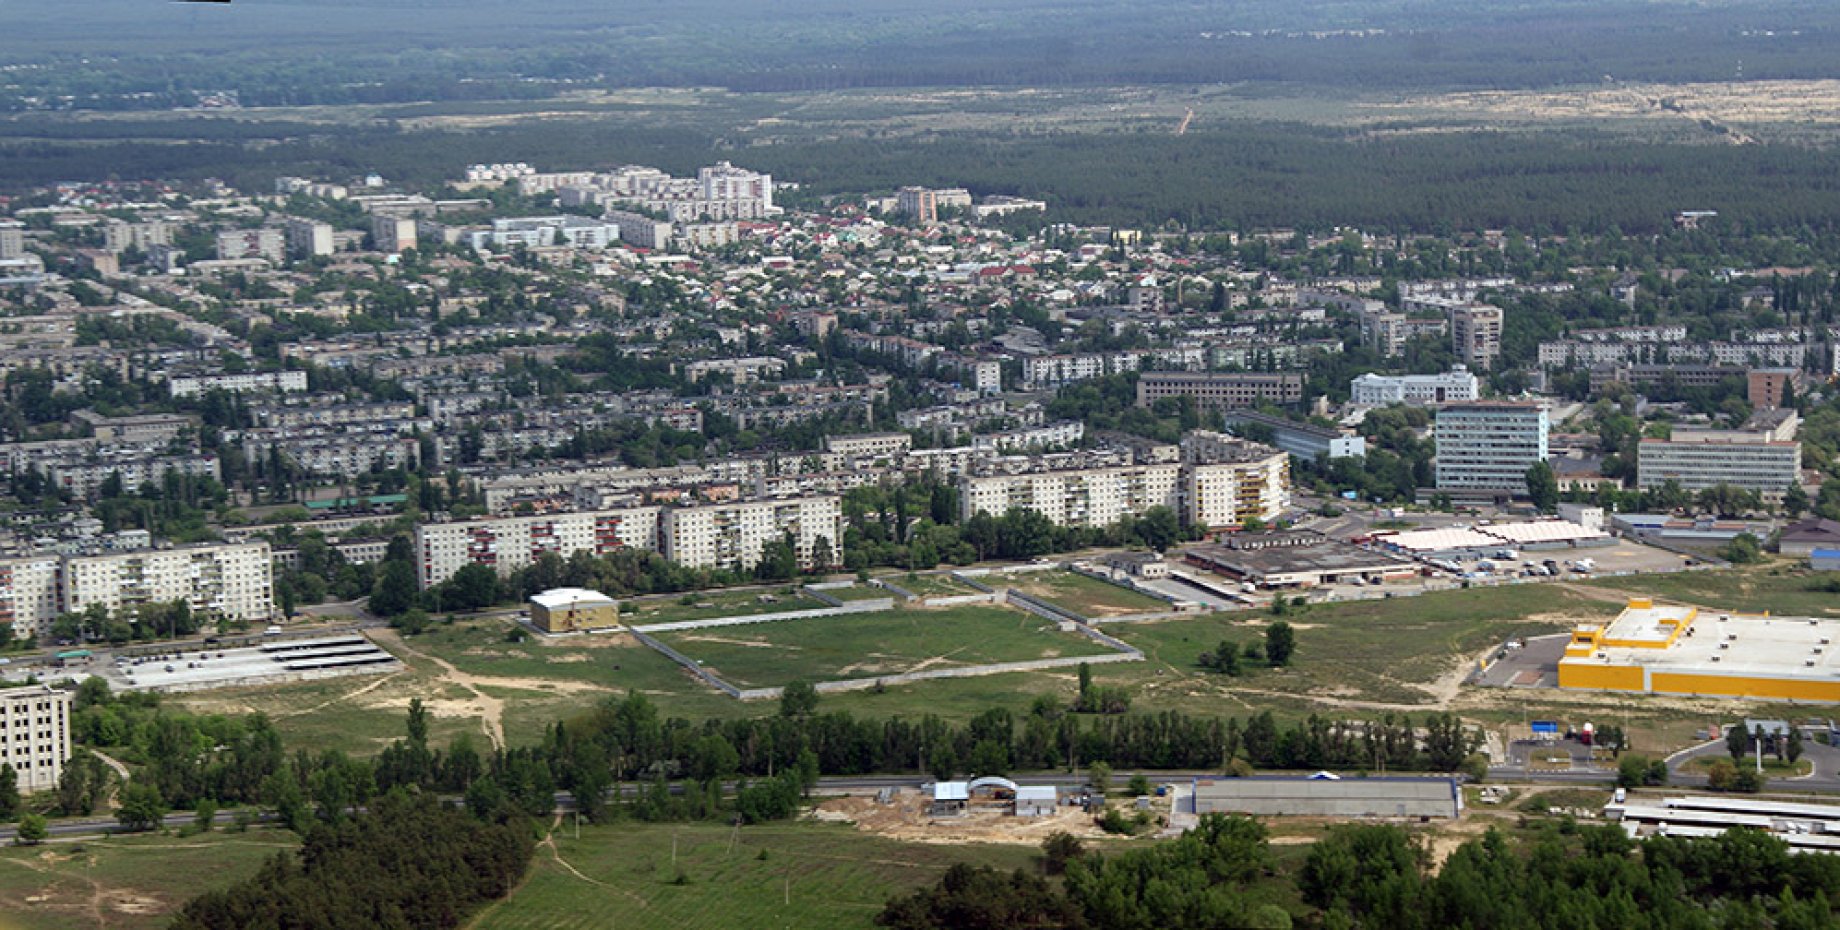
<point>1488,447</point>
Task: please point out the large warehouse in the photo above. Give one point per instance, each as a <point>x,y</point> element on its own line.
<point>1667,649</point>
<point>1328,796</point>
<point>1295,559</point>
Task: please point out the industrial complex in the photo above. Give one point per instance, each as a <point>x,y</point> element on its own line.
<point>1669,649</point>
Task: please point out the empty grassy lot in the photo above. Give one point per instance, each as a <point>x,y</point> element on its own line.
<point>706,605</point>
<point>1088,597</point>
<point>1784,587</point>
<point>860,592</point>
<point>1395,651</point>
<point>775,875</point>
<point>931,585</point>
<point>123,883</point>
<point>868,645</point>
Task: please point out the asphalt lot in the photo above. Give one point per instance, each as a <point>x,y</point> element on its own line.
<point>1534,665</point>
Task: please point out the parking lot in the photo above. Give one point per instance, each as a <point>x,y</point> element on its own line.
<point>1533,664</point>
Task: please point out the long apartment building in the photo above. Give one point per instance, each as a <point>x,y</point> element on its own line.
<point>35,734</point>
<point>1488,447</point>
<point>234,581</point>
<point>732,534</point>
<point>1221,481</point>
<point>510,543</point>
<point>1220,390</point>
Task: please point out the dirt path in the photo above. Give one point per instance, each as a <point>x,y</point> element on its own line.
<point>97,893</point>
<point>492,710</point>
<point>120,770</point>
<point>380,682</point>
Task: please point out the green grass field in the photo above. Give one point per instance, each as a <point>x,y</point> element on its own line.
<point>123,883</point>
<point>1088,597</point>
<point>931,585</point>
<point>1388,651</point>
<point>1780,588</point>
<point>868,645</point>
<point>812,875</point>
<point>705,605</point>
<point>859,592</point>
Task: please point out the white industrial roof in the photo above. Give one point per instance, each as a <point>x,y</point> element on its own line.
<point>1798,648</point>
<point>1036,793</point>
<point>952,791</point>
<point>563,598</point>
<point>1441,540</point>
<point>1541,531</point>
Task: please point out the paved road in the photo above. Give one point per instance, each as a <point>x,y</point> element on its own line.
<point>1824,777</point>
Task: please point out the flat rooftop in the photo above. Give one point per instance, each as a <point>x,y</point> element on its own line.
<point>1723,645</point>
<point>1327,557</point>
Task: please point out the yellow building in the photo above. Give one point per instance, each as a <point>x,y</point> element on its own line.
<point>566,610</point>
<point>1669,649</point>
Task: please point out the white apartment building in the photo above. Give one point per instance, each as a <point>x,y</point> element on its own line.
<point>230,580</point>
<point>1489,446</point>
<point>732,534</point>
<point>510,543</point>
<point>639,229</point>
<point>35,734</point>
<point>1475,334</point>
<point>541,231</point>
<point>1064,434</point>
<point>264,243</point>
<point>1230,493</point>
<point>195,385</point>
<point>118,236</point>
<point>1388,333</point>
<point>870,444</point>
<point>12,240</point>
<point>1700,459</point>
<point>1040,372</point>
<point>1076,497</point>
<point>1454,386</point>
<point>741,370</point>
<point>82,478</point>
<point>29,594</point>
<point>393,233</point>
<point>308,238</point>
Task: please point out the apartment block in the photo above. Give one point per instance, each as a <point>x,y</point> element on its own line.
<point>1475,334</point>
<point>1078,496</point>
<point>510,543</point>
<point>308,238</point>
<point>230,580</point>
<point>1454,386</point>
<point>12,240</point>
<point>29,594</point>
<point>918,202</point>
<point>1387,332</point>
<point>1220,390</point>
<point>35,734</point>
<point>732,534</point>
<point>83,478</point>
<point>870,444</point>
<point>1489,446</point>
<point>1227,481</point>
<point>266,243</point>
<point>638,229</point>
<point>393,233</point>
<point>195,385</point>
<point>118,236</point>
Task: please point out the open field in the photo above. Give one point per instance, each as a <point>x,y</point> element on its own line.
<point>776,875</point>
<point>707,605</point>
<point>869,645</point>
<point>1779,588</point>
<point>1088,597</point>
<point>123,883</point>
<point>859,592</point>
<point>937,585</point>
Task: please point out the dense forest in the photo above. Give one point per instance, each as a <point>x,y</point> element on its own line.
<point>1249,176</point>
<point>1566,877</point>
<point>407,862</point>
<point>342,52</point>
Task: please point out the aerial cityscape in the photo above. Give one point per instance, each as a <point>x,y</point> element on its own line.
<point>1032,465</point>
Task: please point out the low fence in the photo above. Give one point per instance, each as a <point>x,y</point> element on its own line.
<point>959,600</point>
<point>1128,583</point>
<point>899,591</point>
<point>692,665</point>
<point>843,607</point>
<point>966,579</point>
<point>1044,609</point>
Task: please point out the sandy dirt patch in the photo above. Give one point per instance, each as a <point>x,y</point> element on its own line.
<point>905,818</point>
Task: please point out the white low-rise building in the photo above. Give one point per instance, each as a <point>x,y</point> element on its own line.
<point>35,734</point>
<point>1457,385</point>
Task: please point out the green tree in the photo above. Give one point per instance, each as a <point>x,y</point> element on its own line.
<point>1792,752</point>
<point>142,807</point>
<point>1744,549</point>
<point>32,830</point>
<point>9,793</point>
<point>1543,486</point>
<point>395,590</point>
<point>1737,742</point>
<point>798,700</point>
<point>1280,643</point>
<point>1795,501</point>
<point>473,587</point>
